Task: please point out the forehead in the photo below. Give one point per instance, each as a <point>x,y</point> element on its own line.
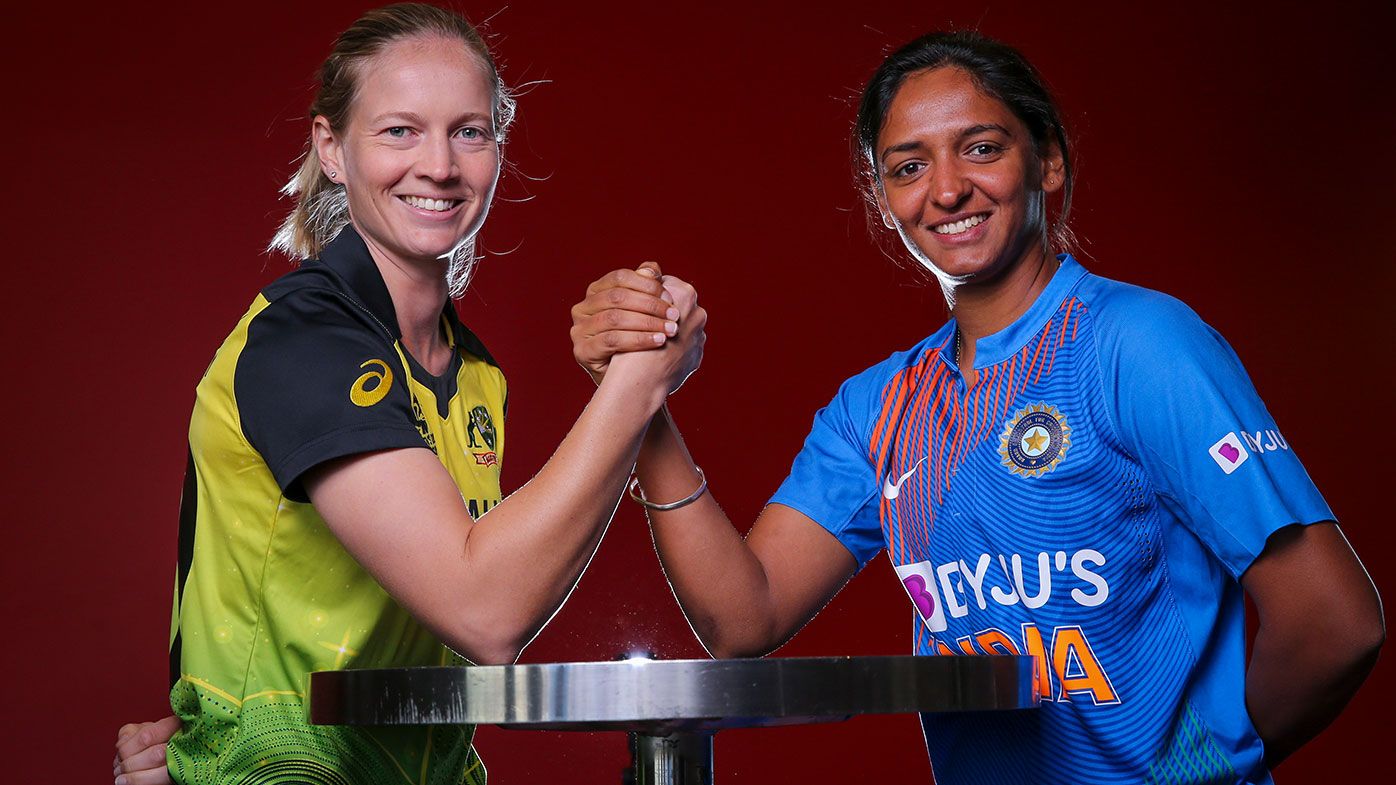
<point>941,103</point>
<point>429,76</point>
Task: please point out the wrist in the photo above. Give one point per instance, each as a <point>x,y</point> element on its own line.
<point>638,388</point>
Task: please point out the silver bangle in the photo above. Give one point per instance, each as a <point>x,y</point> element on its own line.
<point>639,496</point>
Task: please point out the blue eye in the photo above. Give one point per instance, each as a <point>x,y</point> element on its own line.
<point>472,133</point>
<point>397,131</point>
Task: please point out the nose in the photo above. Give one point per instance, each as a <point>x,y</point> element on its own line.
<point>437,162</point>
<point>949,185</point>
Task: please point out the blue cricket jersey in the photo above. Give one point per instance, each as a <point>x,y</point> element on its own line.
<point>1092,500</point>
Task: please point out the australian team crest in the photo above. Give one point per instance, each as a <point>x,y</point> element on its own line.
<point>1035,440</point>
<point>481,425</point>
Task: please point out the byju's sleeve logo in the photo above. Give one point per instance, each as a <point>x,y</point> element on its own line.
<point>1229,453</point>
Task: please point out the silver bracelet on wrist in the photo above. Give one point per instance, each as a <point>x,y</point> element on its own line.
<point>639,495</point>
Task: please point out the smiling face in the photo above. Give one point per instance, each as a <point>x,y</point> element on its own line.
<point>961,179</point>
<point>418,155</point>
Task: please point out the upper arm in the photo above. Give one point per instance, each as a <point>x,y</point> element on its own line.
<point>401,516</point>
<point>1309,576</point>
<point>805,565</point>
<point>822,523</point>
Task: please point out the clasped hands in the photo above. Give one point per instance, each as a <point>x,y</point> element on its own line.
<point>627,314</point>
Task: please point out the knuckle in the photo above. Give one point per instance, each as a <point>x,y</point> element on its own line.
<point>611,318</point>
<point>615,296</point>
<point>610,340</point>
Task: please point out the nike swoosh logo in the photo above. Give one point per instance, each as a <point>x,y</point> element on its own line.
<point>890,491</point>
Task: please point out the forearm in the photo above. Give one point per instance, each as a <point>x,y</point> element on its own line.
<point>1299,680</point>
<point>720,583</point>
<point>524,557</point>
<point>1320,628</point>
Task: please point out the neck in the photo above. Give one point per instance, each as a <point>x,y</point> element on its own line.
<point>984,309</point>
<point>418,292</point>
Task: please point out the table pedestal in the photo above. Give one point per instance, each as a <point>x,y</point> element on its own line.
<point>676,759</point>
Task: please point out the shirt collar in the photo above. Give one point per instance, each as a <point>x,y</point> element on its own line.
<point>994,349</point>
<point>347,255</point>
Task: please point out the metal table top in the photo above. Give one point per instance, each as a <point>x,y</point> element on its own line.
<point>667,696</point>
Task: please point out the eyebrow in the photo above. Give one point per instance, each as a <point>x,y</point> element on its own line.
<point>413,117</point>
<point>973,130</point>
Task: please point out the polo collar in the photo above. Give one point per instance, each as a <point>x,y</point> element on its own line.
<point>348,256</point>
<point>994,349</point>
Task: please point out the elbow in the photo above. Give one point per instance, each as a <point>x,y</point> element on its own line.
<point>735,642</point>
<point>487,642</point>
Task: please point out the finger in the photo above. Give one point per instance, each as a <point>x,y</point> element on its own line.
<point>683,295</point>
<point>150,733</point>
<point>625,300</point>
<point>619,341</point>
<point>160,776</point>
<point>614,319</point>
<point>626,279</point>
<point>651,269</point>
<point>148,758</point>
<point>128,729</point>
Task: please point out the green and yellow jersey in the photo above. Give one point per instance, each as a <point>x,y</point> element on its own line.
<point>265,594</point>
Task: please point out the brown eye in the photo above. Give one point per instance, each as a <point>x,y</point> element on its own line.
<point>907,169</point>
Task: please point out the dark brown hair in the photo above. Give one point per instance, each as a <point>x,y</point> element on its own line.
<point>996,68</point>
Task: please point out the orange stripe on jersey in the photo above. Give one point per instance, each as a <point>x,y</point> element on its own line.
<point>1036,355</point>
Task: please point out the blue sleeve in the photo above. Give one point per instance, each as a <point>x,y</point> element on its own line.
<point>832,481</point>
<point>1186,409</point>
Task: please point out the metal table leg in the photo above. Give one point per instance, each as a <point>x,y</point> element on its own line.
<point>676,759</point>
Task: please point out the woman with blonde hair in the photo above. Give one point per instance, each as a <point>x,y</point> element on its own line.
<point>342,505</point>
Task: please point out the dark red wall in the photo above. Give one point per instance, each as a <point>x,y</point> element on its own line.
<point>1241,159</point>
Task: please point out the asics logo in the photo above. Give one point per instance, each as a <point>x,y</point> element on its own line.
<point>889,490</point>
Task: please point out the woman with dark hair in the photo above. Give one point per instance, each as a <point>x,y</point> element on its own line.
<point>1070,467</point>
<point>342,505</point>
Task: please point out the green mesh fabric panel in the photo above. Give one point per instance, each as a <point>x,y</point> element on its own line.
<point>1192,757</point>
<point>271,743</point>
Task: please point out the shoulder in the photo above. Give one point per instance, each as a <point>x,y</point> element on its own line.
<point>864,393</point>
<point>1134,325</point>
<point>313,299</point>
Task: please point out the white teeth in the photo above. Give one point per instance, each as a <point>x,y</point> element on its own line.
<point>435,205</point>
<point>960,226</point>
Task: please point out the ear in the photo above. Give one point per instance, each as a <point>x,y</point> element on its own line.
<point>1053,168</point>
<point>328,148</point>
<point>882,208</point>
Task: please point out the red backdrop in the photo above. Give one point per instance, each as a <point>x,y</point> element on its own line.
<point>1240,159</point>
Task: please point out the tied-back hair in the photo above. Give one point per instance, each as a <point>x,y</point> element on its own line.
<point>321,208</point>
<point>997,69</point>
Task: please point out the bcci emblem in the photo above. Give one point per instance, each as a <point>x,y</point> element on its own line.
<point>482,426</point>
<point>1035,440</point>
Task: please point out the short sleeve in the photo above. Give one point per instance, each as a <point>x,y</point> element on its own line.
<point>1186,408</point>
<point>319,379</point>
<point>832,481</point>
